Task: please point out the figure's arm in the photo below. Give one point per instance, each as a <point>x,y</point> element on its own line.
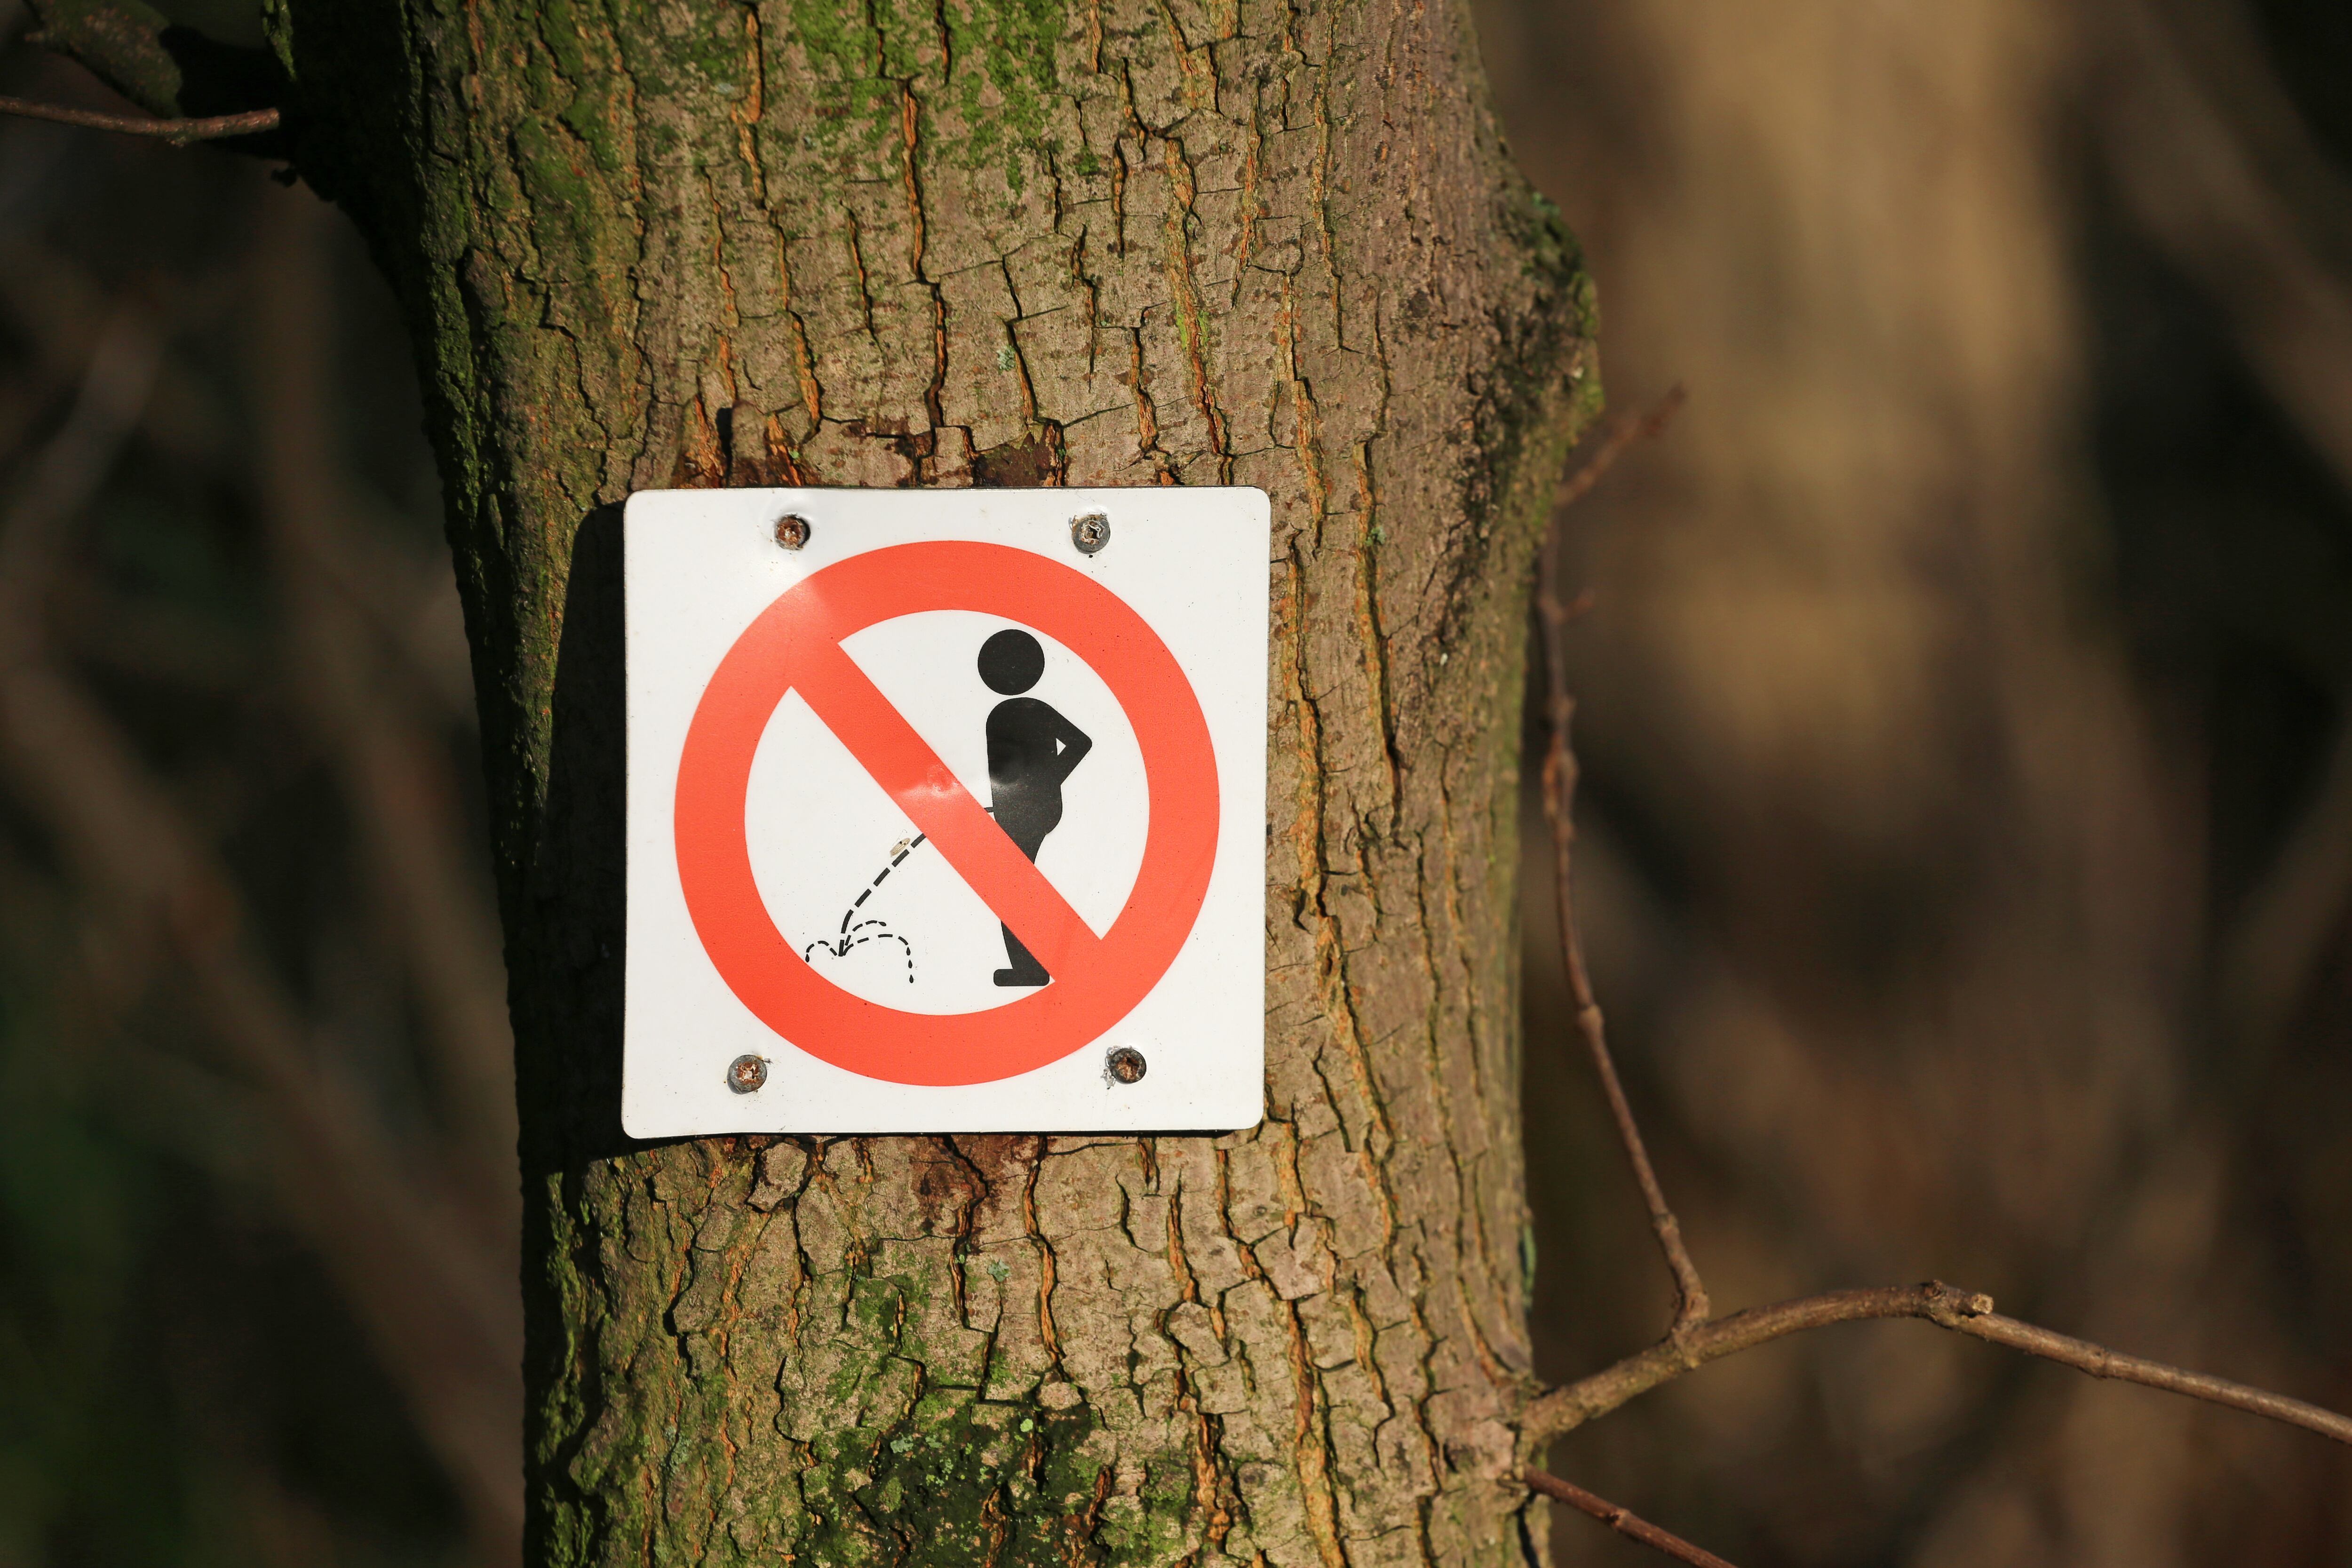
<point>1075,744</point>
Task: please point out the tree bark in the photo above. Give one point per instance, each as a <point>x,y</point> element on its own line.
<point>1128,242</point>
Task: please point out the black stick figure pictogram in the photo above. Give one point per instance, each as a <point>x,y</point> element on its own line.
<point>1031,749</point>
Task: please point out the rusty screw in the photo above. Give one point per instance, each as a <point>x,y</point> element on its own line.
<point>791,532</point>
<point>1125,1064</point>
<point>1091,534</point>
<point>746,1074</point>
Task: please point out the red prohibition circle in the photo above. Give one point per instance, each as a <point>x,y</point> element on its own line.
<point>795,645</point>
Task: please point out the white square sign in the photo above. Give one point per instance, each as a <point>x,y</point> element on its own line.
<point>947,810</point>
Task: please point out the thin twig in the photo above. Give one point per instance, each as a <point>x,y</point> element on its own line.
<point>1559,790</point>
<point>1621,436</point>
<point>1624,1521</point>
<point>206,127</point>
<point>1962,1311</point>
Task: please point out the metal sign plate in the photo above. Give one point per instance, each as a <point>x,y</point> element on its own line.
<point>946,810</point>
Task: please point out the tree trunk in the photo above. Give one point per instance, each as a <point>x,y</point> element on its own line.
<point>998,242</point>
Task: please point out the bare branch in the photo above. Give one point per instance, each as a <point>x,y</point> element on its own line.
<point>1624,1521</point>
<point>202,127</point>
<point>1559,790</point>
<point>1694,1339</point>
<point>1621,436</point>
<point>197,88</point>
<point>1962,1311</point>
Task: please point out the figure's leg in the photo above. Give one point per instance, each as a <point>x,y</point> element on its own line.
<point>1023,967</point>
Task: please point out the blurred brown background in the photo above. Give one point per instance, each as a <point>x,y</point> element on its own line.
<point>1968,807</point>
<point>1967,812</point>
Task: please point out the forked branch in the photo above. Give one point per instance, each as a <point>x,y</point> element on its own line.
<point>1695,1338</point>
<point>1962,1311</point>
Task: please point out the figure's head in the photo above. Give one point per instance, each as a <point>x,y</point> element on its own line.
<point>1011,662</point>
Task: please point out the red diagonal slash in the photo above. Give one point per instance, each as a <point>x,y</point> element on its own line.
<point>848,702</point>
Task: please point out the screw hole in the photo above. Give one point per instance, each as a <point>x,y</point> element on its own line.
<point>792,530</point>
<point>745,1074</point>
<point>1125,1064</point>
<point>1090,532</point>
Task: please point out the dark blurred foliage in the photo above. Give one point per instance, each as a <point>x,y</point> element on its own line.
<point>1968,820</point>
<point>256,1191</point>
<point>1968,809</point>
